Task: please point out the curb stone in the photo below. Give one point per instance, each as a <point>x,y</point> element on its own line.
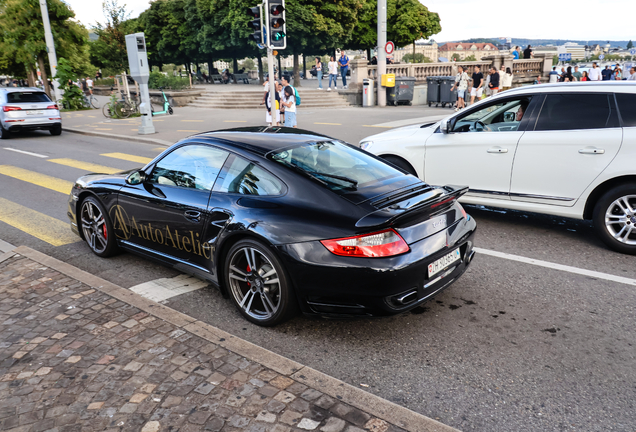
<point>368,402</point>
<point>119,137</point>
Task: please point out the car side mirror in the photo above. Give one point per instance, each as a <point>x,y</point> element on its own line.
<point>444,126</point>
<point>136,177</point>
<point>509,116</point>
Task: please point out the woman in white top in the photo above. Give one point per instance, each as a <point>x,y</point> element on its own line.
<point>289,102</point>
<point>506,79</point>
<point>333,73</point>
<point>461,84</point>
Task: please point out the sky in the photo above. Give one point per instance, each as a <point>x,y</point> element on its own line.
<point>465,19</point>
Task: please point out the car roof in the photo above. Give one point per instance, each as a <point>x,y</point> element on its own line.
<point>261,139</point>
<point>22,89</point>
<point>573,87</point>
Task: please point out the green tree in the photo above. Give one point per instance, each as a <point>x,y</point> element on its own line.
<point>630,44</point>
<point>471,58</point>
<point>72,98</point>
<point>22,42</point>
<point>109,50</point>
<point>413,58</point>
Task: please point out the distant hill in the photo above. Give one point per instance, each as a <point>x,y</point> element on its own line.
<point>535,42</point>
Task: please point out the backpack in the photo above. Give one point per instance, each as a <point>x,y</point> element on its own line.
<point>296,96</point>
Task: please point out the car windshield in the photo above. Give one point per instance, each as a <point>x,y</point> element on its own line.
<point>335,164</point>
<point>17,97</point>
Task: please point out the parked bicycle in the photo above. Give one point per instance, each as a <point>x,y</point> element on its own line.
<point>123,108</point>
<point>90,101</point>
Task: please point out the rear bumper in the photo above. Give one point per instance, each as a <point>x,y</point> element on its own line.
<point>330,285</point>
<point>18,126</point>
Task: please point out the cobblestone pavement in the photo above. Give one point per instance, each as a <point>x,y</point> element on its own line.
<point>73,358</point>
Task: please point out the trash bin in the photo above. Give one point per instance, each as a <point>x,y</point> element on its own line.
<point>446,96</point>
<point>368,93</point>
<point>432,90</point>
<point>402,93</point>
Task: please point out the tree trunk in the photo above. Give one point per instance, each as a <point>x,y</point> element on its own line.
<point>261,78</point>
<point>296,71</point>
<point>45,78</point>
<point>304,65</point>
<point>234,68</point>
<point>210,67</point>
<point>368,54</point>
<point>280,68</point>
<point>31,77</point>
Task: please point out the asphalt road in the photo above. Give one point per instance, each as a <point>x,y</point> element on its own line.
<point>510,346</point>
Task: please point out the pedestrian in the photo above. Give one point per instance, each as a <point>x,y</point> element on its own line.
<point>554,75</point>
<point>89,83</point>
<point>476,89</point>
<point>319,72</point>
<point>289,102</point>
<point>268,116</point>
<point>265,89</point>
<point>618,73</point>
<point>527,53</point>
<point>461,84</point>
<point>344,67</point>
<point>487,85</point>
<point>538,80</point>
<point>585,76</point>
<point>632,76</point>
<point>333,73</point>
<point>606,74</point>
<point>494,81</point>
<point>515,53</point>
<point>506,79</point>
<point>576,74</point>
<point>595,73</point>
<point>567,75</point>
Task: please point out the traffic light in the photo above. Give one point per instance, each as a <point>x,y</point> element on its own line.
<point>276,29</point>
<point>257,23</point>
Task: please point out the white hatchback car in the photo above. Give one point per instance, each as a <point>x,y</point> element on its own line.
<point>560,149</point>
<point>27,108</point>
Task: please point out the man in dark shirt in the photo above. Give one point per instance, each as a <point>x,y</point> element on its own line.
<point>527,53</point>
<point>476,90</point>
<point>606,73</point>
<point>494,81</point>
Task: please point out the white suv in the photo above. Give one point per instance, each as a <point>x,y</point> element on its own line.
<point>27,108</point>
<point>561,149</point>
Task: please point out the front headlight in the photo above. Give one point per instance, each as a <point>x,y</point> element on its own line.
<point>366,145</point>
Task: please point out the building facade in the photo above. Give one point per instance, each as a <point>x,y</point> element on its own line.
<point>428,49</point>
<point>463,50</point>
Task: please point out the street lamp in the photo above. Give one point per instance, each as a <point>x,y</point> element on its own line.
<point>50,48</point>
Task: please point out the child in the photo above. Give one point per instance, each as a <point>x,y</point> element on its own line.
<point>289,102</point>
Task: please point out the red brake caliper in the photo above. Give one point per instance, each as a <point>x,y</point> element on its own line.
<point>248,270</point>
<point>105,232</point>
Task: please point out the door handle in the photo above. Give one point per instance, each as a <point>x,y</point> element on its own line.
<point>193,215</point>
<point>592,150</point>
<point>497,150</point>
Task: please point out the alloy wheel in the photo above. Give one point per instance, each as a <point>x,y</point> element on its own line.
<point>94,227</point>
<point>254,283</point>
<point>620,219</point>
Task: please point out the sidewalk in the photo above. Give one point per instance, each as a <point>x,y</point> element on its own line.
<point>350,124</point>
<point>79,353</point>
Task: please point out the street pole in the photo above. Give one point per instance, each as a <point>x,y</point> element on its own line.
<point>272,86</point>
<point>381,51</point>
<point>50,48</point>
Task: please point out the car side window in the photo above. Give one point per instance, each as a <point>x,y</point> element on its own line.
<point>246,178</point>
<point>627,107</point>
<point>577,111</point>
<point>190,166</point>
<point>504,116</point>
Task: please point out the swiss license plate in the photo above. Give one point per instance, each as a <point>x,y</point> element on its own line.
<point>443,262</point>
<point>33,112</point>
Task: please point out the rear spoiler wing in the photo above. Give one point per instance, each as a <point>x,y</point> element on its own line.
<point>433,201</point>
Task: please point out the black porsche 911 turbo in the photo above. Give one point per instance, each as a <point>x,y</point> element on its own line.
<point>283,219</point>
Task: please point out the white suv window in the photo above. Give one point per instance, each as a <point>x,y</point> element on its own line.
<point>627,106</point>
<point>572,111</point>
<point>504,116</point>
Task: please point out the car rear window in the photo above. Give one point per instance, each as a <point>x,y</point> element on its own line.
<point>17,97</point>
<point>627,107</point>
<point>577,111</point>
<point>336,165</point>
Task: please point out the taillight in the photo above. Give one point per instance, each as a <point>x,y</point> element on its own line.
<point>463,211</point>
<point>52,107</point>
<point>379,244</point>
<point>11,108</point>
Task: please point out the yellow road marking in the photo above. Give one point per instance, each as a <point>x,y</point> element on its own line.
<point>333,124</point>
<point>92,116</point>
<point>160,148</point>
<point>128,157</point>
<point>201,121</point>
<point>234,121</point>
<point>103,129</point>
<point>39,225</point>
<point>386,127</point>
<point>186,130</point>
<point>35,178</point>
<point>85,166</point>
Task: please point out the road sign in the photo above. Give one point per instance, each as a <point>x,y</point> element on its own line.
<point>632,51</point>
<point>601,57</point>
<point>389,47</point>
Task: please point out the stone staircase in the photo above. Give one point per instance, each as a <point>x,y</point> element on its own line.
<point>246,99</point>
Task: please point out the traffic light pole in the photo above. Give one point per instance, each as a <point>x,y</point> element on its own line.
<point>381,51</point>
<point>272,85</point>
<point>50,49</point>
